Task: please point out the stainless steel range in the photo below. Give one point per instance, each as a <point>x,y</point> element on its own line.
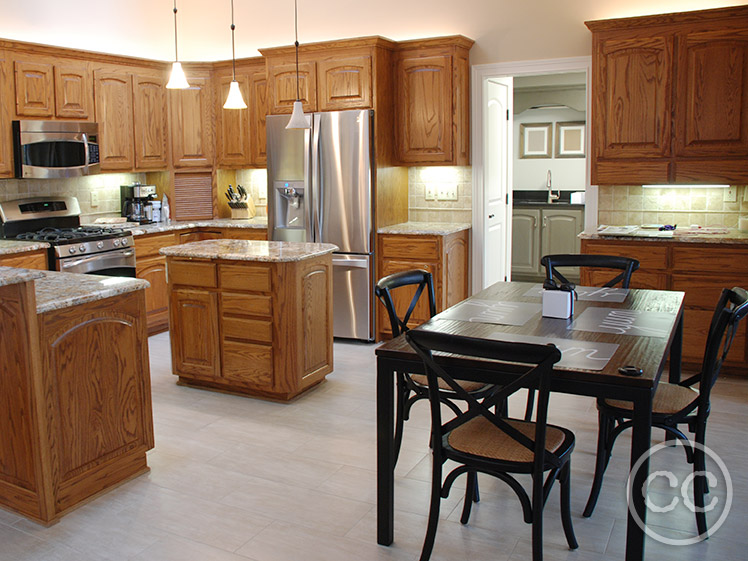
<point>73,248</point>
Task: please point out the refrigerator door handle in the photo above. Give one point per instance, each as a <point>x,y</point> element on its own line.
<point>317,200</point>
<point>351,263</point>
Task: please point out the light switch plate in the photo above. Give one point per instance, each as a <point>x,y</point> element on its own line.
<point>94,198</point>
<point>730,195</point>
<point>447,192</point>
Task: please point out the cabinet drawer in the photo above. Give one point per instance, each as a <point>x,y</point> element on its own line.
<point>731,260</point>
<point>245,233</point>
<point>192,273</point>
<point>149,245</point>
<point>650,256</point>
<point>249,363</point>
<point>704,292</point>
<point>247,329</point>
<point>410,247</point>
<point>695,328</point>
<point>246,304</point>
<point>36,260</point>
<point>651,281</point>
<point>245,277</point>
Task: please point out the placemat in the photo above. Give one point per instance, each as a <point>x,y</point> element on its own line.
<point>575,355</point>
<point>641,323</point>
<point>490,311</point>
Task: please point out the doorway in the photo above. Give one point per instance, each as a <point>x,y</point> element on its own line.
<point>493,140</point>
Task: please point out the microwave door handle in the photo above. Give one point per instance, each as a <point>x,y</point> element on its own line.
<point>85,152</point>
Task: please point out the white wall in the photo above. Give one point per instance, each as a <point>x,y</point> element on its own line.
<point>568,174</point>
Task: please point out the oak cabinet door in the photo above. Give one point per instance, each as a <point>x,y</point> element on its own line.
<point>258,110</point>
<point>149,107</point>
<point>114,113</point>
<point>344,83</point>
<point>403,296</point>
<point>283,91</point>
<point>73,91</point>
<point>191,124</point>
<point>194,333</point>
<point>157,295</point>
<point>35,95</point>
<point>6,143</point>
<point>233,124</point>
<point>424,105</point>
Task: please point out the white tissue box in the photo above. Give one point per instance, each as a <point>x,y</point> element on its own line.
<point>577,198</point>
<point>558,304</point>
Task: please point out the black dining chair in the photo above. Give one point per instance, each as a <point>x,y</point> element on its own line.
<point>483,441</point>
<point>677,404</point>
<point>625,265</point>
<point>414,387</point>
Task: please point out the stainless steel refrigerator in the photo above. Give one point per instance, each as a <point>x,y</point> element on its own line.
<point>320,189</point>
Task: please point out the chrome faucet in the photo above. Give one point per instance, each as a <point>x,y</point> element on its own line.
<point>551,196</point>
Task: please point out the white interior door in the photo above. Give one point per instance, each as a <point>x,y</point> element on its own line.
<point>497,208</point>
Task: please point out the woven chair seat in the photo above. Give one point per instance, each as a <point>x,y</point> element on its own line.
<point>480,437</point>
<point>668,399</point>
<point>421,380</point>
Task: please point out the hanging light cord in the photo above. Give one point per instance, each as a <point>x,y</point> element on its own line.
<point>296,43</point>
<point>233,48</point>
<point>176,54</point>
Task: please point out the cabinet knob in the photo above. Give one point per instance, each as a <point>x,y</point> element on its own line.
<point>491,216</point>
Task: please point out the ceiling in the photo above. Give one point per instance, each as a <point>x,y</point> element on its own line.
<point>503,29</point>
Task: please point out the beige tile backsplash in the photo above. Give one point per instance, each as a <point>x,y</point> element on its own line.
<point>622,205</point>
<point>422,210</point>
<point>106,185</point>
<point>255,181</point>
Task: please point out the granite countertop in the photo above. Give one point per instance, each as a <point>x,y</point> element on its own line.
<point>14,275</point>
<point>62,290</point>
<point>245,250</point>
<point>732,236</point>
<point>544,204</point>
<point>425,228</point>
<point>9,247</point>
<point>158,227</point>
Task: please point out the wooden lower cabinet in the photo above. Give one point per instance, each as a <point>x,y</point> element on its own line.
<point>151,266</point>
<point>446,257</point>
<point>75,391</point>
<point>253,328</point>
<point>28,260</point>
<point>701,270</point>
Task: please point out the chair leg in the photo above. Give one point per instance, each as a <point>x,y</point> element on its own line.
<point>530,404</point>
<point>700,482</point>
<point>605,423</point>
<point>402,398</point>
<point>538,498</point>
<point>565,479</point>
<point>436,490</point>
<point>471,491</point>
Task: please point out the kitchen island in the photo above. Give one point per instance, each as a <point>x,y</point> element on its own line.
<point>74,388</point>
<point>251,317</point>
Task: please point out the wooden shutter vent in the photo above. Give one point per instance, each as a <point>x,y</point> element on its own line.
<point>193,196</point>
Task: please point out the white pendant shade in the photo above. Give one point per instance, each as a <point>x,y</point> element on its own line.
<point>298,120</point>
<point>234,100</point>
<point>177,80</point>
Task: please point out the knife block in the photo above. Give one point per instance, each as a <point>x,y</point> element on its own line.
<point>239,213</point>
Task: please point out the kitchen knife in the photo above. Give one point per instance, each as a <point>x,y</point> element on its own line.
<point>233,195</point>
<point>242,192</point>
<point>228,196</point>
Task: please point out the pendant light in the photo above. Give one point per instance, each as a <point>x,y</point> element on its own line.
<point>177,80</point>
<point>298,120</point>
<point>234,100</point>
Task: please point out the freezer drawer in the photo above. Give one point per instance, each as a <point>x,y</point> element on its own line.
<point>352,296</point>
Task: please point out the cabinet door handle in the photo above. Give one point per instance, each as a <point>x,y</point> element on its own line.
<point>545,221</point>
<point>534,222</point>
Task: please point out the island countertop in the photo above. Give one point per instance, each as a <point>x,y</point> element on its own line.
<point>13,275</point>
<point>249,250</point>
<point>62,290</point>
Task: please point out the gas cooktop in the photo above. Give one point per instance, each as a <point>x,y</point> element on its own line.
<point>68,235</point>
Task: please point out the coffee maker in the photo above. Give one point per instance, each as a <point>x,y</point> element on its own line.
<point>136,202</point>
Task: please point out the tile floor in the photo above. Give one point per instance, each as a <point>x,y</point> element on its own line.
<point>237,479</point>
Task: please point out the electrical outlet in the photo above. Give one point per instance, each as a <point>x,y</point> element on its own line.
<point>94,198</point>
<point>730,195</point>
<point>430,193</point>
<point>447,192</point>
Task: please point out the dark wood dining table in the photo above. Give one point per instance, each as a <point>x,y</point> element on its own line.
<point>650,353</point>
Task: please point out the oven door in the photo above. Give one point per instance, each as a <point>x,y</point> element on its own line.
<point>118,263</point>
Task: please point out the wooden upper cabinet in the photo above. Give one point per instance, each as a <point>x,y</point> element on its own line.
<point>282,87</point>
<point>344,83</point>
<point>73,91</point>
<point>191,124</point>
<point>432,103</point>
<point>232,132</point>
<point>150,121</point>
<point>670,98</point>
<point>712,111</point>
<point>6,144</point>
<point>114,113</point>
<point>258,110</point>
<point>35,95</point>
<point>425,108</point>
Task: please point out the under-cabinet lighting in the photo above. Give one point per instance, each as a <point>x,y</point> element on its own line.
<point>685,186</point>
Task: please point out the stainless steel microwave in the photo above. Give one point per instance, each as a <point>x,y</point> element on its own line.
<point>51,149</point>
